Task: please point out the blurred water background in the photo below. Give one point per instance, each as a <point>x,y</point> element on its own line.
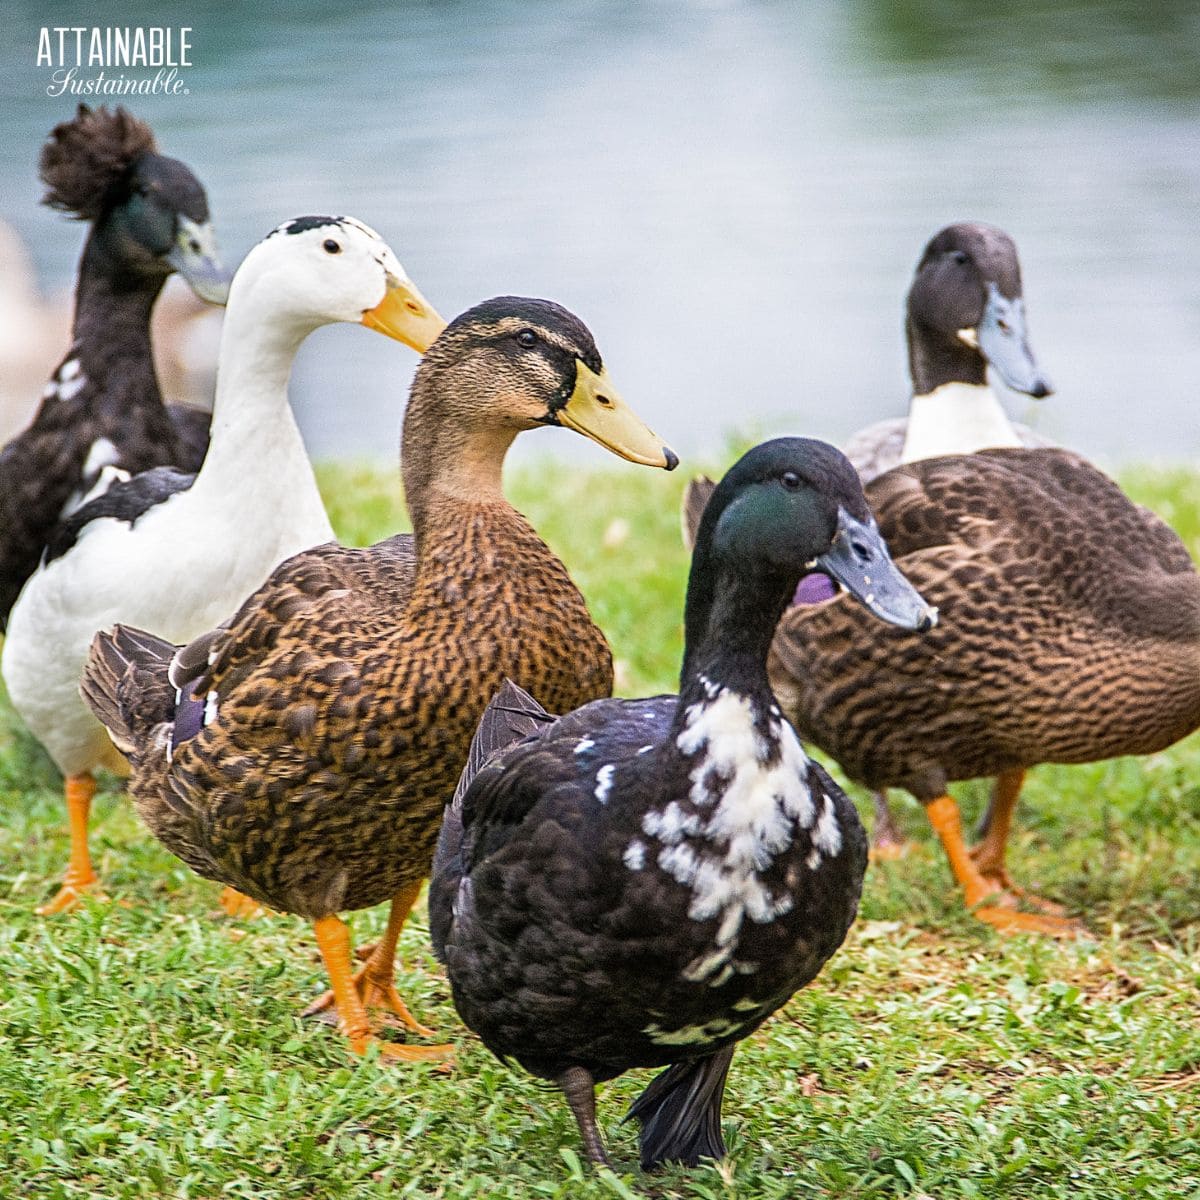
<point>732,194</point>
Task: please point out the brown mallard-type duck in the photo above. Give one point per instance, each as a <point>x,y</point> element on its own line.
<point>965,312</point>
<point>101,417</point>
<point>642,883</point>
<point>1069,633</point>
<point>304,754</point>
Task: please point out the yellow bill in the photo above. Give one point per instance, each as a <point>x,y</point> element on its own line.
<point>404,314</point>
<point>595,410</point>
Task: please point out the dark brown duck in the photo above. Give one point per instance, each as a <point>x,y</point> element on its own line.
<point>1069,632</point>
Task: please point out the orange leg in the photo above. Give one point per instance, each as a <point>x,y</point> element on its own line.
<point>334,940</point>
<point>988,856</point>
<point>237,905</point>
<point>943,816</point>
<point>79,790</point>
<point>887,842</point>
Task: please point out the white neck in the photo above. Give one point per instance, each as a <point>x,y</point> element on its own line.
<point>255,448</point>
<point>956,418</point>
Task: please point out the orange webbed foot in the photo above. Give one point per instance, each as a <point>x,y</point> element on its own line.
<point>74,887</point>
<point>1007,920</point>
<point>991,897</point>
<point>377,995</point>
<point>240,906</point>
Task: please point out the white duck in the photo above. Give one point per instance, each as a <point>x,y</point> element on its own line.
<point>176,554</point>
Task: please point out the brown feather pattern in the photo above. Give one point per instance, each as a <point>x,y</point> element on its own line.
<point>348,687</point>
<point>1069,629</point>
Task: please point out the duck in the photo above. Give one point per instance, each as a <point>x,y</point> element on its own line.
<point>642,883</point>
<point>177,553</point>
<point>304,754</point>
<point>101,415</point>
<point>965,311</point>
<point>1070,633</point>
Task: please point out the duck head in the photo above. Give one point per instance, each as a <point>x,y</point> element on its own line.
<point>793,508</point>
<point>966,310</point>
<point>513,363</point>
<point>314,271</point>
<point>149,212</point>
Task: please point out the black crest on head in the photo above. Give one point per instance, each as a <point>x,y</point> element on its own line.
<point>87,159</point>
<point>304,224</point>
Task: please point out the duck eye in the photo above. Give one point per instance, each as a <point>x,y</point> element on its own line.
<point>527,338</point>
<point>332,247</point>
<point>790,480</point>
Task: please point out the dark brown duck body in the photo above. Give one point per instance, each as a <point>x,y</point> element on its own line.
<point>1069,632</point>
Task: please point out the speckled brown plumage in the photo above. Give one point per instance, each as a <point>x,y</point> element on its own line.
<point>344,694</point>
<point>1069,631</point>
<point>348,726</point>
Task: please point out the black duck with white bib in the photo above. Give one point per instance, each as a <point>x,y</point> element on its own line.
<point>643,882</point>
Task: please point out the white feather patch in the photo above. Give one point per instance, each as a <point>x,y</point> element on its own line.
<point>689,1035</point>
<point>604,778</point>
<point>71,388</point>
<point>754,806</point>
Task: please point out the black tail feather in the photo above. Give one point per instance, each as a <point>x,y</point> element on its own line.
<point>680,1112</point>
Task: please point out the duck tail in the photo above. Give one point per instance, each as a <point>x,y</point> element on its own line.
<point>695,500</point>
<point>680,1112</point>
<point>125,684</point>
<point>513,714</point>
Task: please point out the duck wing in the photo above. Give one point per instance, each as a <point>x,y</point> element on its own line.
<point>358,590</point>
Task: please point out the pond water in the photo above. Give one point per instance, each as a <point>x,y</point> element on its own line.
<point>732,194</point>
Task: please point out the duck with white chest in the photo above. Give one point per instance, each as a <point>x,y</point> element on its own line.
<point>642,883</point>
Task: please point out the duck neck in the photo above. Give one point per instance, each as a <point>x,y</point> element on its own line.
<point>112,326</point>
<point>935,358</point>
<point>448,461</point>
<point>729,621</point>
<point>956,418</point>
<point>254,435</point>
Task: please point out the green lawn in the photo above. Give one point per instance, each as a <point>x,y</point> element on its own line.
<point>150,1048</point>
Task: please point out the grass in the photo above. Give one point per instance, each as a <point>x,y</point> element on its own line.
<point>150,1049</point>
